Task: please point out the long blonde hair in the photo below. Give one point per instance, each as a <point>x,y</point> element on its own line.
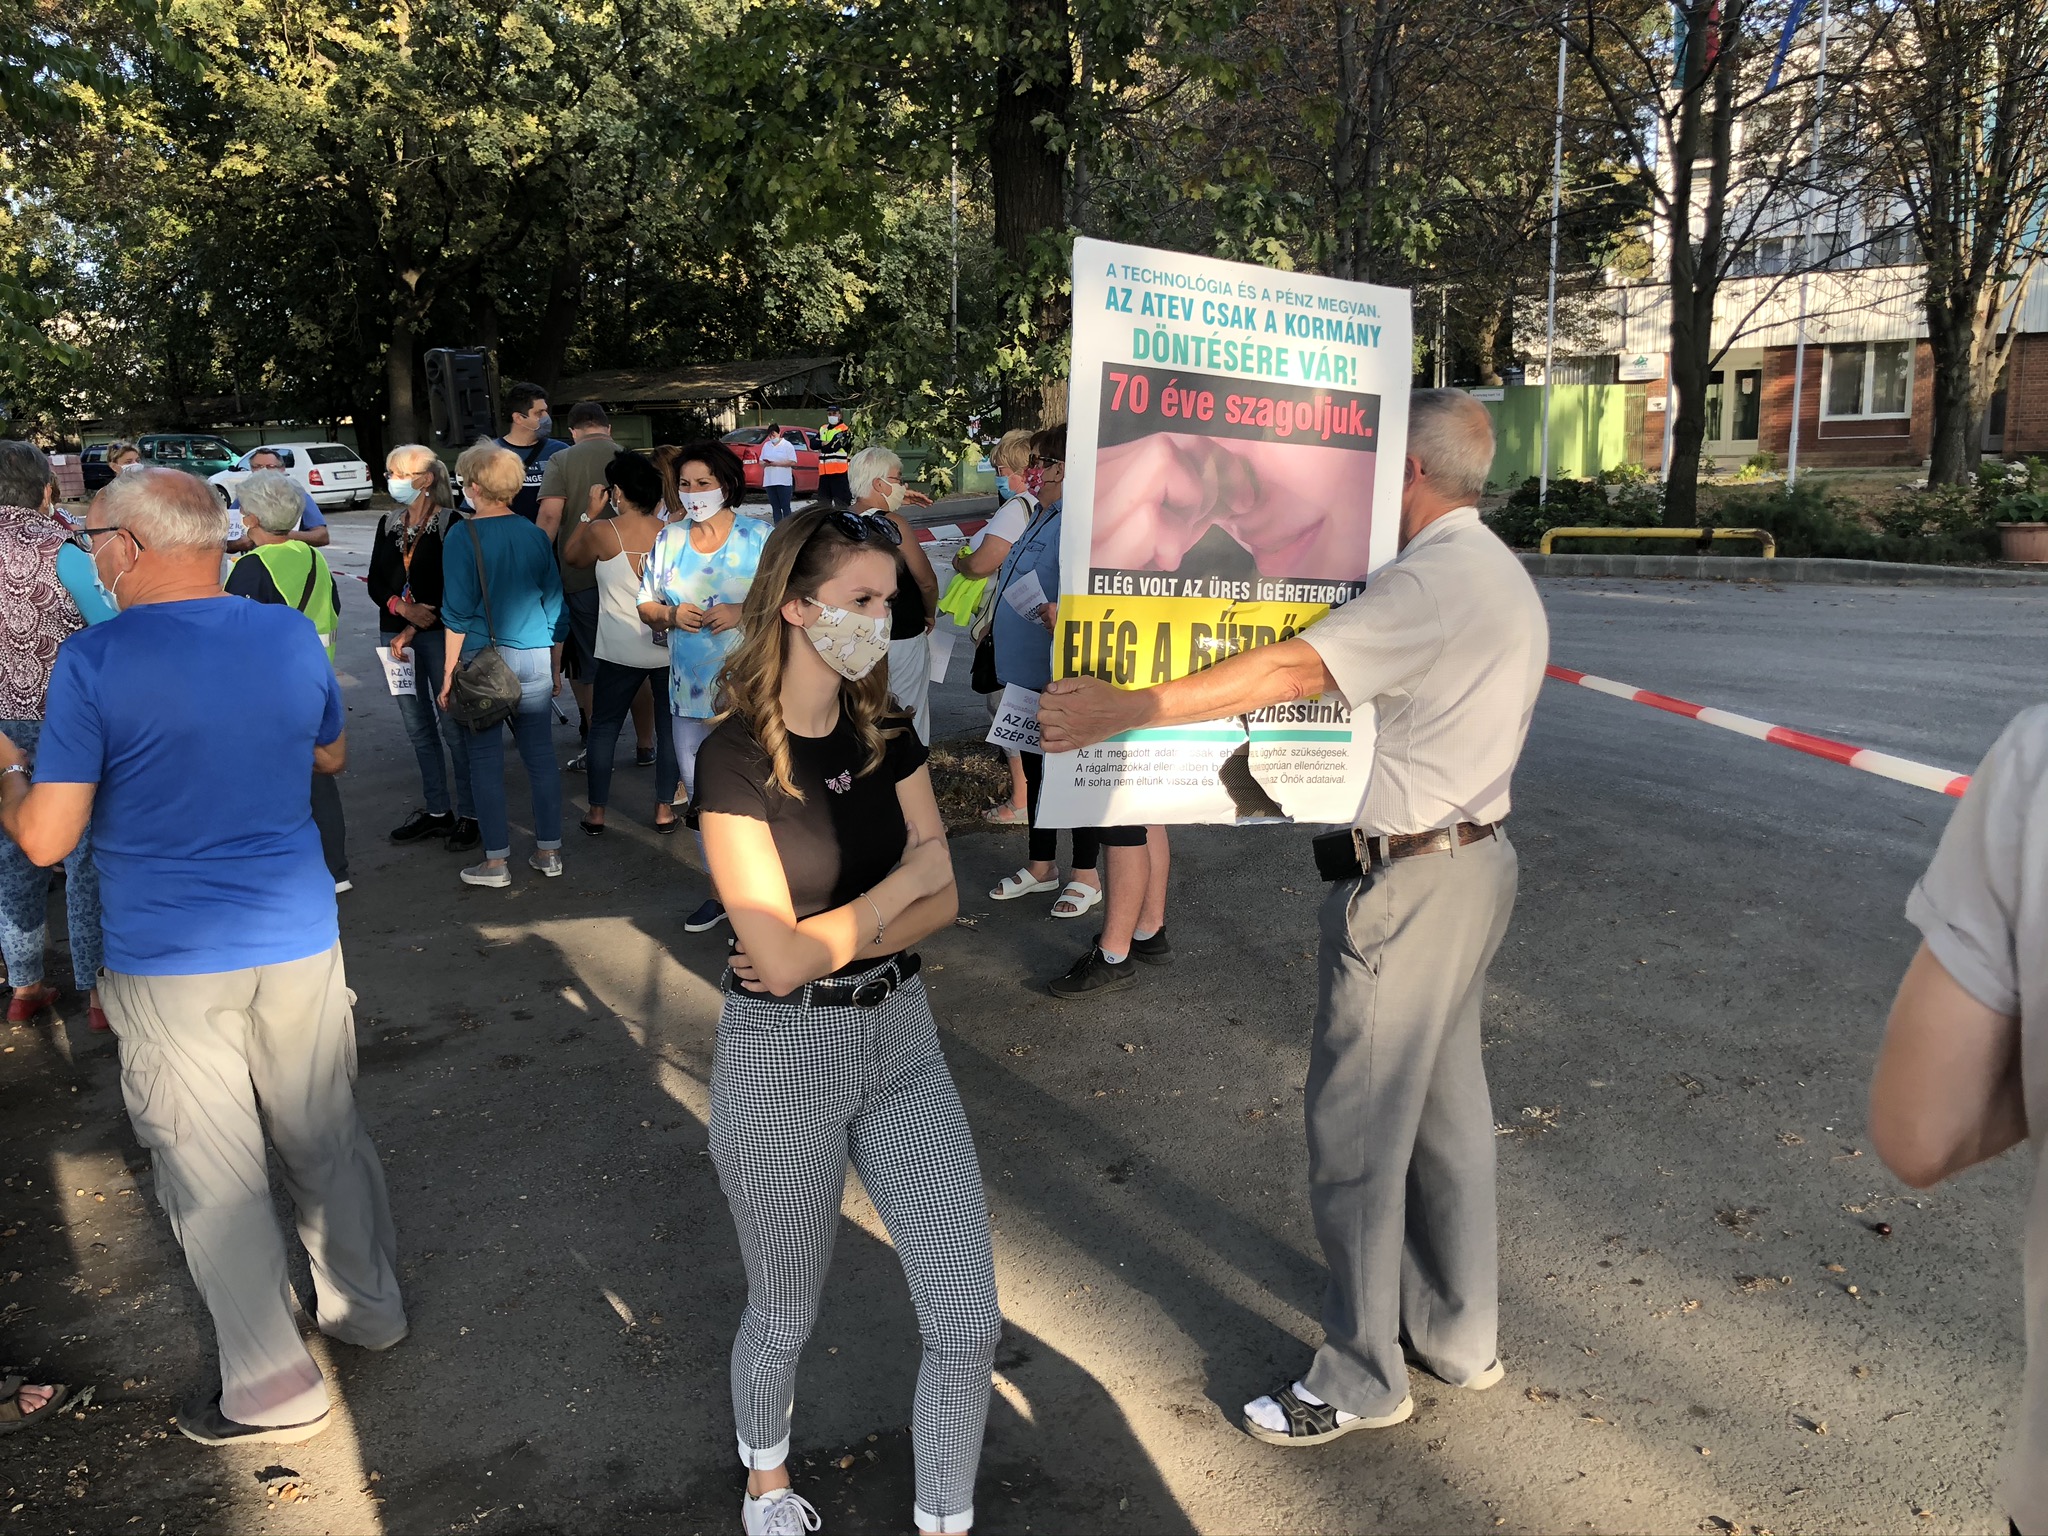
<point>799,558</point>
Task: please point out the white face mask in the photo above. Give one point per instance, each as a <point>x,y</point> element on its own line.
<point>893,492</point>
<point>853,646</point>
<point>700,505</point>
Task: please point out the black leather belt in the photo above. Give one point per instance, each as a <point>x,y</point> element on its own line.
<point>1348,854</point>
<point>863,989</point>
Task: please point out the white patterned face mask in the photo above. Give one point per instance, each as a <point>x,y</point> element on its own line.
<point>853,646</point>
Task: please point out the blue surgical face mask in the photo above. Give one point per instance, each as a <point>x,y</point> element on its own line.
<point>545,425</point>
<point>402,490</point>
<point>1003,486</point>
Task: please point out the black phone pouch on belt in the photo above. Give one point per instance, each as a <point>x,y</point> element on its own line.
<point>1337,856</point>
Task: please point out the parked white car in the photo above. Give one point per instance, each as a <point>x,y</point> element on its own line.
<point>333,474</point>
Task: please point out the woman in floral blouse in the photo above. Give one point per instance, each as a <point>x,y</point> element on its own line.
<point>691,590</point>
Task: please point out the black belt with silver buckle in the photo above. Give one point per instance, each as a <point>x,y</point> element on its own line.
<point>1348,854</point>
<point>864,989</point>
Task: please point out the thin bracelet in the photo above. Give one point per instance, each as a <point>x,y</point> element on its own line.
<point>881,923</point>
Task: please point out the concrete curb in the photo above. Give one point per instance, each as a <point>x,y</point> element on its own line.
<point>1861,573</point>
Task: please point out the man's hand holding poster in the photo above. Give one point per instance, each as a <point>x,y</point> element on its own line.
<point>1234,452</point>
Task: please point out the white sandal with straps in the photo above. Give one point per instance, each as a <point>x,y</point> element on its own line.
<point>1021,884</point>
<point>1089,898</point>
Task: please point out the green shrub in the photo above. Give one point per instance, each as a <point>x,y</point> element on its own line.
<point>1521,522</point>
<point>1940,527</point>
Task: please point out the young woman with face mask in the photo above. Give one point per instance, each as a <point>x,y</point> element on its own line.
<point>691,588</point>
<point>827,847</point>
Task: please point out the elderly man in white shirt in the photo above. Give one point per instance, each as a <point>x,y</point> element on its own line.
<point>1448,644</point>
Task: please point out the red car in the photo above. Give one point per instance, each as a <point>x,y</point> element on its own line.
<point>746,442</point>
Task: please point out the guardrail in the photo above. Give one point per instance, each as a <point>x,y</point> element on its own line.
<point>1701,536</point>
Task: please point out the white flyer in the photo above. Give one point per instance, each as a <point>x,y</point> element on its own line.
<point>398,675</point>
<point>942,638</point>
<point>1016,722</point>
<point>1027,595</point>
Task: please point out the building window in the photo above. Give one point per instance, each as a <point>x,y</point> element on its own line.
<point>1869,378</point>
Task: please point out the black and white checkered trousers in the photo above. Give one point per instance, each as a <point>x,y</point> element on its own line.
<point>795,1093</point>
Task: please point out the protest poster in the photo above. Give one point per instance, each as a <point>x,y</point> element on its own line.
<point>1234,453</point>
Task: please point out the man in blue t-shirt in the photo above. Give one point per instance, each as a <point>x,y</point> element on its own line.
<point>527,436</point>
<point>185,730</point>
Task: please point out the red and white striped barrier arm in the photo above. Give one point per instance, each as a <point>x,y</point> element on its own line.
<point>1942,781</point>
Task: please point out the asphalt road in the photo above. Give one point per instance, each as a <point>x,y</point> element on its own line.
<point>1702,1328</point>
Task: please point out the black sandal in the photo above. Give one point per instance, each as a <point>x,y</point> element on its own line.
<point>592,828</point>
<point>666,827</point>
<point>1316,1423</point>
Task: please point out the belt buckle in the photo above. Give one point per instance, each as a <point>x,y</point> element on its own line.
<point>872,991</point>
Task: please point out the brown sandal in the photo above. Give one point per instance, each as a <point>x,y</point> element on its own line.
<point>11,1416</point>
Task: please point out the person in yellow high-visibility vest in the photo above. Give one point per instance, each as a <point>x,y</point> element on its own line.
<point>282,569</point>
<point>835,449</point>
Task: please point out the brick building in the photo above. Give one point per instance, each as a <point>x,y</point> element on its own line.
<point>1865,393</point>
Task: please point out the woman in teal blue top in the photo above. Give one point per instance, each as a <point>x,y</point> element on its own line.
<point>527,622</point>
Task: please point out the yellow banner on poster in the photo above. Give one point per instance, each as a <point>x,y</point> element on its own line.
<point>1136,642</point>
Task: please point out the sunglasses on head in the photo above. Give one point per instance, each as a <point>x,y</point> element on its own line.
<point>866,525</point>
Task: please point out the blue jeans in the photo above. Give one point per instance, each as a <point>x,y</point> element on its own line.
<point>25,896</point>
<point>780,499</point>
<point>427,728</point>
<point>533,735</point>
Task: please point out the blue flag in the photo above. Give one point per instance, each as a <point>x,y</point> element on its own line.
<point>1792,21</point>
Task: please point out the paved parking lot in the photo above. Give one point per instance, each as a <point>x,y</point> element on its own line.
<point>1702,1327</point>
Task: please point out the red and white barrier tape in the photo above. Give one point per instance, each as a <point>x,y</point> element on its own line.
<point>1942,781</point>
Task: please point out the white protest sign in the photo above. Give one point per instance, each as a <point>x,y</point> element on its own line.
<point>398,675</point>
<point>1234,456</point>
<point>1016,722</point>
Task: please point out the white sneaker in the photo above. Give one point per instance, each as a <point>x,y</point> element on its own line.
<point>483,874</point>
<point>784,1512</point>
<point>547,861</point>
<point>342,886</point>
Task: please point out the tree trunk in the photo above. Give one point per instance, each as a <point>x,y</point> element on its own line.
<point>557,323</point>
<point>401,413</point>
<point>1952,454</point>
<point>1028,172</point>
<point>372,442</point>
<point>1691,343</point>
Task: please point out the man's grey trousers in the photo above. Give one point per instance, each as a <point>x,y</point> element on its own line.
<point>1400,1125</point>
<point>208,1064</point>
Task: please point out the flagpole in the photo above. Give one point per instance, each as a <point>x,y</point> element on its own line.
<point>1820,93</point>
<point>1550,304</point>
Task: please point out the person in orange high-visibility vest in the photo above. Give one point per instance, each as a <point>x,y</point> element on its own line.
<point>835,449</point>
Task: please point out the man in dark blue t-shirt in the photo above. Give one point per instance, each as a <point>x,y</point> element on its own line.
<point>527,436</point>
<point>185,729</point>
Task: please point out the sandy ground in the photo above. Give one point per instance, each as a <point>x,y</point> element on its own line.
<point>1704,1327</point>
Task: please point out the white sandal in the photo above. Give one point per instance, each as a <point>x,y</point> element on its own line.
<point>1021,884</point>
<point>1089,897</point>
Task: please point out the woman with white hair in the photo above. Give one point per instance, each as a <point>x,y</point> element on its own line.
<point>405,584</point>
<point>500,587</point>
<point>875,478</point>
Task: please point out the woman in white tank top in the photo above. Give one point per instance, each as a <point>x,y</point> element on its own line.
<point>616,541</point>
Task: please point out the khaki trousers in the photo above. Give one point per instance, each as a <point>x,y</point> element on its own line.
<point>1400,1124</point>
<point>208,1065</point>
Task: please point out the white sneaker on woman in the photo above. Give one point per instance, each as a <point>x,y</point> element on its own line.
<point>546,861</point>
<point>784,1512</point>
